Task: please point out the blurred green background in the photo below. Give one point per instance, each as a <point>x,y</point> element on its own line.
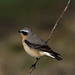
<point>40,16</point>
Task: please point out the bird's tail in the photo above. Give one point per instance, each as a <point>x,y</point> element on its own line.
<point>56,55</point>
<point>58,58</point>
<point>53,55</point>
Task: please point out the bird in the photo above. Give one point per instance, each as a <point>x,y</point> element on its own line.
<point>35,46</point>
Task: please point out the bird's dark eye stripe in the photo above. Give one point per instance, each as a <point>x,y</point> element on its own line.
<point>24,33</point>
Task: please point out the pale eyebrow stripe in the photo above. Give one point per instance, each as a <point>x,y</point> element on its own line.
<point>25,30</point>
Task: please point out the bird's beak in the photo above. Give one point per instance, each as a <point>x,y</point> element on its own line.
<point>19,31</point>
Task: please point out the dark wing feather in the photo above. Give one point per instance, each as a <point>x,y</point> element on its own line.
<point>44,48</point>
<point>39,47</point>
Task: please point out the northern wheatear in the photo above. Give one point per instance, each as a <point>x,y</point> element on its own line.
<point>36,46</point>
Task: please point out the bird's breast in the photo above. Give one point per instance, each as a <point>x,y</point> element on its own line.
<point>32,52</point>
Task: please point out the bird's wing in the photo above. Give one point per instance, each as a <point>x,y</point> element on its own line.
<point>38,43</point>
<point>45,48</point>
<point>36,40</point>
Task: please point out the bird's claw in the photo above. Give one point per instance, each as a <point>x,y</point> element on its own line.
<point>33,66</point>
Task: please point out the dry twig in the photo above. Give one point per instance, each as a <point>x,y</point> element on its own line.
<point>58,21</point>
<point>34,65</point>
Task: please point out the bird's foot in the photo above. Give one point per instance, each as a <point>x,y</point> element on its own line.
<point>34,66</point>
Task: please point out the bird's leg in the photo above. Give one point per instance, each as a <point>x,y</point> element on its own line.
<point>34,65</point>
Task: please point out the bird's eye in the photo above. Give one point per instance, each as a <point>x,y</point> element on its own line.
<point>24,33</point>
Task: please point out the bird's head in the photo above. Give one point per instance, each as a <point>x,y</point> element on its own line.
<point>26,32</point>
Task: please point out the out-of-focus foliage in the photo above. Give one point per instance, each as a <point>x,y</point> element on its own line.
<point>40,16</point>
